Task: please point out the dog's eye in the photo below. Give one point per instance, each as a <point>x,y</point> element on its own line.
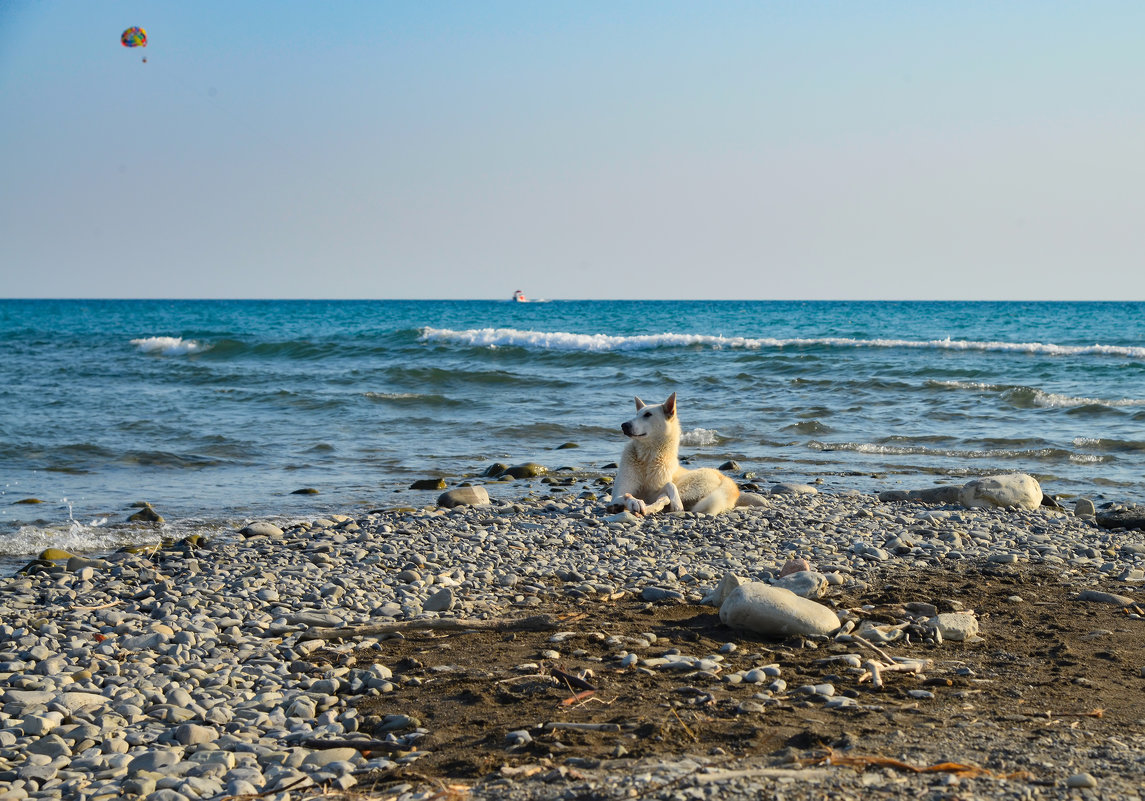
<point>648,414</point>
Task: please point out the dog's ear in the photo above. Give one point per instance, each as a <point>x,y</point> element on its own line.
<point>670,405</point>
<point>639,403</point>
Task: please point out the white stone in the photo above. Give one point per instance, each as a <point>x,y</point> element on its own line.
<point>1012,489</point>
<point>728,583</point>
<point>804,583</point>
<point>776,612</point>
<point>955,626</point>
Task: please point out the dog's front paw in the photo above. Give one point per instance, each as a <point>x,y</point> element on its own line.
<point>635,505</point>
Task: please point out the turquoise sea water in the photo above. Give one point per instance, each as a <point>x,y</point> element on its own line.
<point>218,410</point>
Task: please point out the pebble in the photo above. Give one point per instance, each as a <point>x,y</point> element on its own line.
<point>1081,780</point>
<point>199,684</point>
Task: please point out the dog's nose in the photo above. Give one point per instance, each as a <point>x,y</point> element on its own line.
<point>626,427</point>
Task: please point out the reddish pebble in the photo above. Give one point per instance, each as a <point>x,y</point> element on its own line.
<point>794,566</point>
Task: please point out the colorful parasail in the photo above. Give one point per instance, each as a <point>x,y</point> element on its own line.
<point>134,37</point>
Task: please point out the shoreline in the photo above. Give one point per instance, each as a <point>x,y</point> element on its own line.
<point>193,667</point>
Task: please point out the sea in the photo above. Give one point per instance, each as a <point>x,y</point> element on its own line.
<point>216,412</point>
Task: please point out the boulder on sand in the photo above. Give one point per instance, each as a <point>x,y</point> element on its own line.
<point>1013,489</point>
<point>775,612</point>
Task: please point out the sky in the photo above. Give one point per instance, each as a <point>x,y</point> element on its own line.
<point>660,150</point>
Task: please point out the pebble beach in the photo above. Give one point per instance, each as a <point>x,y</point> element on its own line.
<point>182,671</point>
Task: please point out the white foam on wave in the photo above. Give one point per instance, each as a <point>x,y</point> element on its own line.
<point>700,437</point>
<point>393,395</point>
<point>74,537</point>
<point>918,450</point>
<point>168,346</point>
<point>558,340</point>
<point>1038,397</point>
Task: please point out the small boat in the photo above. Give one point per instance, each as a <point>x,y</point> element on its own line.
<point>519,297</point>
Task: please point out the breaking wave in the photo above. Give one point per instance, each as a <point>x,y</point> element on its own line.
<point>700,437</point>
<point>564,341</point>
<point>169,346</point>
<point>1033,397</point>
<point>988,453</point>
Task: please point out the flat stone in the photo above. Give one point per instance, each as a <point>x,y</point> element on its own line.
<point>1133,517</point>
<point>1097,596</point>
<point>788,488</point>
<point>315,619</point>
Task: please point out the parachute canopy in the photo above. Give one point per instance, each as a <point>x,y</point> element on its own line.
<point>134,37</point>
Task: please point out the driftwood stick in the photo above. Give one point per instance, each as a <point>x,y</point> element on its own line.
<point>864,641</point>
<point>572,680</point>
<point>534,623</point>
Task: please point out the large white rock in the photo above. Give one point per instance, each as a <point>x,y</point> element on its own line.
<point>775,612</point>
<point>1013,489</point>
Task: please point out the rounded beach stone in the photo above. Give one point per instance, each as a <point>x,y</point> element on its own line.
<point>146,515</point>
<point>1014,489</point>
<point>464,496</point>
<point>261,529</point>
<point>526,470</point>
<point>1084,507</point>
<point>1081,780</point>
<point>776,612</point>
<point>428,484</point>
<point>55,555</point>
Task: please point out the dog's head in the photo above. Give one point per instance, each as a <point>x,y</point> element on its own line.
<point>652,421</point>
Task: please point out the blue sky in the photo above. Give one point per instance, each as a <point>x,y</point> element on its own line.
<point>574,150</point>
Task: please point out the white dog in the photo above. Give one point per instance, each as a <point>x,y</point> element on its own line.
<point>650,476</point>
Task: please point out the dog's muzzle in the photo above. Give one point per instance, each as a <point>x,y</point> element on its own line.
<point>626,428</point>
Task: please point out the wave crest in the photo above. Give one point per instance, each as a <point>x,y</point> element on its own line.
<point>700,437</point>
<point>1029,397</point>
<point>565,341</point>
<point>169,346</point>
